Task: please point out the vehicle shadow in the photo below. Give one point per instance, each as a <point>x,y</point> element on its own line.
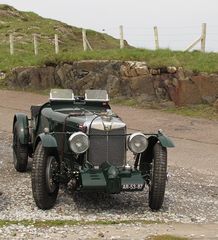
<point>90,202</point>
<point>125,202</point>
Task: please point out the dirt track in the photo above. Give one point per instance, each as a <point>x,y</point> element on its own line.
<point>193,162</point>
<point>196,139</point>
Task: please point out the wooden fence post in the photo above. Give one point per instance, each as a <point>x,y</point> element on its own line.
<point>56,44</point>
<point>86,43</point>
<point>35,43</point>
<point>156,38</point>
<point>11,40</point>
<point>203,37</point>
<point>121,37</point>
<point>84,40</point>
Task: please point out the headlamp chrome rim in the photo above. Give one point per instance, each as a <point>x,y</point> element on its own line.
<point>143,142</point>
<point>75,146</point>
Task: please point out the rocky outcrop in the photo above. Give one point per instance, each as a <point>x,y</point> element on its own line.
<point>216,105</point>
<point>124,80</point>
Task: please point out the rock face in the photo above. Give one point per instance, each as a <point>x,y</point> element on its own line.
<point>124,80</point>
<point>216,105</point>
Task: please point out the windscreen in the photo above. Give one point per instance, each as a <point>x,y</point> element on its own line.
<point>61,94</point>
<point>96,95</point>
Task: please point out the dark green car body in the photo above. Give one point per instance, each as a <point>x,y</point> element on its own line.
<point>103,167</point>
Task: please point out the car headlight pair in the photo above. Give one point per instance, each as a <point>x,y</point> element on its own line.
<point>79,142</point>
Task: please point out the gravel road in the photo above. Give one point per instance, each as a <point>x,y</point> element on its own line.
<point>191,202</point>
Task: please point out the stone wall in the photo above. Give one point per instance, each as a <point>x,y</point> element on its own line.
<point>126,79</point>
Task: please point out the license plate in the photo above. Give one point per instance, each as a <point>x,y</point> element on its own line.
<point>132,186</point>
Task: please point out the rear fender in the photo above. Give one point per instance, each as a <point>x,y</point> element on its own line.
<point>23,127</point>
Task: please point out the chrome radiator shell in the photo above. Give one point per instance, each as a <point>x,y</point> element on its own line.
<point>107,142</point>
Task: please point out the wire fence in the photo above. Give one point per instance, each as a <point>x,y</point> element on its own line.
<point>184,38</point>
<point>175,38</point>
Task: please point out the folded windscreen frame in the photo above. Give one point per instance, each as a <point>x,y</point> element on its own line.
<point>61,95</point>
<point>96,95</point>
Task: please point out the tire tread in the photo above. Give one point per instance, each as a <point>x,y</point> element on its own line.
<point>43,199</point>
<point>21,153</point>
<point>157,191</point>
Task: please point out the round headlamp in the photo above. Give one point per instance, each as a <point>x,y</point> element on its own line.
<point>79,142</point>
<point>137,142</point>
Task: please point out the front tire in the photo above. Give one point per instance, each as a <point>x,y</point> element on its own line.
<point>158,177</point>
<point>45,184</point>
<point>20,151</point>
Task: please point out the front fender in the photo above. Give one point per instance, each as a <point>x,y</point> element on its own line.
<point>165,141</point>
<point>23,127</point>
<point>144,159</point>
<point>48,141</point>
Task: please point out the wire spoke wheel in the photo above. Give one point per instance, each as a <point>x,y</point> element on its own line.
<point>51,174</point>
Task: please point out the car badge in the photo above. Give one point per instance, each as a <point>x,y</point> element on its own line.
<point>107,126</point>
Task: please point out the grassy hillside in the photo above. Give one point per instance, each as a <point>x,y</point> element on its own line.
<point>24,24</point>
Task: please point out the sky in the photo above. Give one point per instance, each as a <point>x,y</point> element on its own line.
<point>178,21</point>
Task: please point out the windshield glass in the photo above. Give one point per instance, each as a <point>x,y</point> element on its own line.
<point>62,94</point>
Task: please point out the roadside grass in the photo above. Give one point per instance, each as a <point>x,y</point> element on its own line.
<point>125,102</point>
<point>167,237</point>
<point>59,223</point>
<point>197,111</point>
<point>195,61</point>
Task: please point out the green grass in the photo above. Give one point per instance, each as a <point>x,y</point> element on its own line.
<point>196,111</point>
<point>199,111</point>
<point>195,61</point>
<point>125,102</point>
<point>167,237</point>
<point>59,223</point>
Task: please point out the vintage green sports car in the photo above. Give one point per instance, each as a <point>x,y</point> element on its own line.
<point>79,142</point>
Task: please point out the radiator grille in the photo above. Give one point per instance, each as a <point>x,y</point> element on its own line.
<point>107,147</point>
